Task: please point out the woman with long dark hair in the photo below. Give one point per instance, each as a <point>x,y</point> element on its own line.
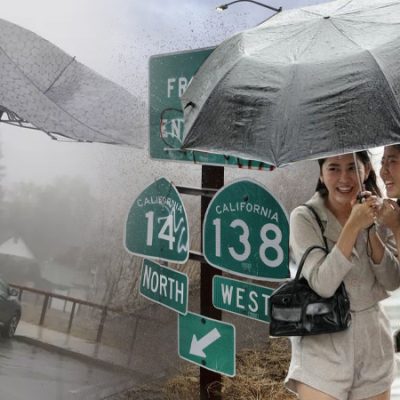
<point>389,214</point>
<point>356,363</point>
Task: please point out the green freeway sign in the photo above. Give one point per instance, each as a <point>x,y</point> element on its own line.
<point>157,225</point>
<point>164,286</point>
<point>241,298</point>
<point>207,342</point>
<point>246,232</point>
<point>169,76</point>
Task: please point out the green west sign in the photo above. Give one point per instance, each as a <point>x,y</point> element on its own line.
<point>169,76</point>
<point>207,342</point>
<point>157,225</point>
<point>241,298</point>
<point>246,232</point>
<point>164,286</point>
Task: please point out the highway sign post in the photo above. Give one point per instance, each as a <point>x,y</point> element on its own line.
<point>169,76</point>
<point>241,298</point>
<point>157,225</point>
<point>165,286</point>
<point>207,342</point>
<point>246,232</point>
<point>203,339</point>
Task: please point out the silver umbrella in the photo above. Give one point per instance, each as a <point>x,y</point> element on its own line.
<point>307,83</point>
<point>44,88</point>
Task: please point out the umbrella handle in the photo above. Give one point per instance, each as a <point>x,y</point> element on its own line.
<point>361,198</point>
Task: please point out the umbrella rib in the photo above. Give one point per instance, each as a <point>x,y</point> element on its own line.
<point>344,5</point>
<point>81,122</point>
<point>376,62</point>
<point>276,42</point>
<point>19,69</point>
<point>43,93</point>
<point>375,22</point>
<point>311,12</point>
<point>374,8</point>
<point>59,75</point>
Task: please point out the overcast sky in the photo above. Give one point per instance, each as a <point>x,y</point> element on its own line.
<point>115,38</point>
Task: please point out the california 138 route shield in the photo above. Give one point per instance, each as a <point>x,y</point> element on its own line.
<point>246,232</point>
<point>157,224</point>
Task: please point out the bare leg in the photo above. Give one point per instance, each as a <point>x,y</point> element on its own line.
<point>382,396</point>
<point>308,393</point>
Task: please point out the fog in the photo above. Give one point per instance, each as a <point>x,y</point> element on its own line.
<point>69,200</point>
<point>115,39</point>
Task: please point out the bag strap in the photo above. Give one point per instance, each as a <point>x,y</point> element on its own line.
<point>312,209</point>
<point>311,248</point>
<point>303,259</point>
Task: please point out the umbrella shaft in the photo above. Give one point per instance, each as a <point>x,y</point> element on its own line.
<point>360,184</point>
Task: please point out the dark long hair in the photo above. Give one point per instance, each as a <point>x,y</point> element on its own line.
<point>370,184</point>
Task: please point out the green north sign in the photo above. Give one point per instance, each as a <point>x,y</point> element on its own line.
<point>246,232</point>
<point>207,342</point>
<point>157,225</point>
<point>169,76</point>
<point>164,286</point>
<point>241,298</point>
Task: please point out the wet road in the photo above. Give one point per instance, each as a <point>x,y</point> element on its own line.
<point>29,372</point>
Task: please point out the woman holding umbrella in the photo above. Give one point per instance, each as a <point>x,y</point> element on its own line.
<point>389,214</point>
<point>356,363</point>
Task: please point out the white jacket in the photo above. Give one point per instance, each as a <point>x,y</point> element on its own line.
<point>366,282</point>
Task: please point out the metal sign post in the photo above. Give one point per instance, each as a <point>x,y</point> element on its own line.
<point>214,341</point>
<point>211,177</point>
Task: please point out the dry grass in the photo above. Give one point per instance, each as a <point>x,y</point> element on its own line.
<point>259,376</point>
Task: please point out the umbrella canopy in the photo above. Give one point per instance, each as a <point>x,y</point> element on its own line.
<point>44,88</point>
<point>307,83</point>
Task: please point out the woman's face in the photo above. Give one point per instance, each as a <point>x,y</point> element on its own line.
<point>340,178</point>
<point>390,171</point>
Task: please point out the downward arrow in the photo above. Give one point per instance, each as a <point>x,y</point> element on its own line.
<point>197,346</point>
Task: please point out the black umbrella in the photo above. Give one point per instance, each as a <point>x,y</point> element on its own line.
<point>307,83</point>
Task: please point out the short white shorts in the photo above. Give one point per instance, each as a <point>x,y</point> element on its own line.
<point>350,365</point>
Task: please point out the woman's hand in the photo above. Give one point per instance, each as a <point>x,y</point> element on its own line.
<point>389,215</point>
<point>364,214</point>
<point>361,217</point>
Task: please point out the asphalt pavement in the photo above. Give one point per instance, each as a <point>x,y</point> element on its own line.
<point>31,372</point>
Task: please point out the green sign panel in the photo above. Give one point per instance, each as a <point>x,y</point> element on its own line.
<point>169,76</point>
<point>157,225</point>
<point>241,298</point>
<point>246,232</point>
<point>164,286</point>
<point>207,342</point>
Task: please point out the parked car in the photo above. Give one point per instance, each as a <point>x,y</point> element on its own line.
<point>10,309</point>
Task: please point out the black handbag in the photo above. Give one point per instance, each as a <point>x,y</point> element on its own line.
<point>296,310</point>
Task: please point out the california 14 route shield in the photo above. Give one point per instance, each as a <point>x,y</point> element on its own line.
<point>157,225</point>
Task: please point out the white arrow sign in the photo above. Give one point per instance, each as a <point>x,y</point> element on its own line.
<point>197,346</point>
